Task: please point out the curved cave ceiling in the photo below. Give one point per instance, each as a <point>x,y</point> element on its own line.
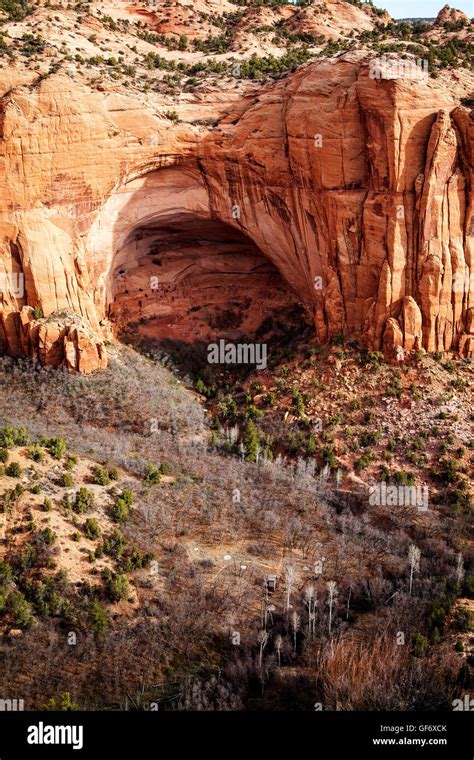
<point>187,279</point>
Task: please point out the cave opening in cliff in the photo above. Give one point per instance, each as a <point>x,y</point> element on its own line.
<point>183,281</point>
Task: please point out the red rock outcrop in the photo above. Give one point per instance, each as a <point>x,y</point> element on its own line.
<point>448,14</point>
<point>356,189</point>
<point>61,340</point>
<point>334,19</point>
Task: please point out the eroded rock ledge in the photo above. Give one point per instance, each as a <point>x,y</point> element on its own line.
<point>357,191</point>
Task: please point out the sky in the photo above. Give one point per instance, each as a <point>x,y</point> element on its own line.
<point>423,8</point>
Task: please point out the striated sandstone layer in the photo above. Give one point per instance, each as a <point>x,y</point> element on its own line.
<point>353,193</point>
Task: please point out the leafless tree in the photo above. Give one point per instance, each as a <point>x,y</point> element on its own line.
<point>290,578</point>
<point>332,590</point>
<point>295,624</point>
<point>264,604</point>
<point>348,602</point>
<point>263,641</point>
<point>310,602</point>
<point>278,646</point>
<point>414,555</point>
<point>459,568</point>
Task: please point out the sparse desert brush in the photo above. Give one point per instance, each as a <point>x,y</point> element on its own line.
<point>379,674</point>
<point>289,505</point>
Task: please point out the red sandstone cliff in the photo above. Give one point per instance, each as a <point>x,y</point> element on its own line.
<point>357,189</point>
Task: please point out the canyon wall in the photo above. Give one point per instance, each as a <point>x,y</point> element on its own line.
<point>357,190</point>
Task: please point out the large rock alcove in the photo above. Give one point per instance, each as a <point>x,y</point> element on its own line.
<point>169,271</point>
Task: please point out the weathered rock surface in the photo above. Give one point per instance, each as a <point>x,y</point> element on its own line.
<point>61,340</point>
<point>356,190</point>
<point>451,15</point>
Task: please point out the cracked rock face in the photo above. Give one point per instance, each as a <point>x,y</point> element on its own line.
<point>332,189</point>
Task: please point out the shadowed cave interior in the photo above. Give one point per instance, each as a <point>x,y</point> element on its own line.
<point>185,281</point>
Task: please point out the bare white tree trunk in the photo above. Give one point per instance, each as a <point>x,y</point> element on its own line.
<point>331,587</point>
<point>278,644</point>
<point>414,555</point>
<point>290,577</point>
<point>263,639</point>
<point>295,624</point>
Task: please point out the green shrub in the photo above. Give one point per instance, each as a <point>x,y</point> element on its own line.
<point>98,618</point>
<point>6,573</point>
<point>120,511</point>
<point>7,437</point>
<point>4,456</point>
<point>47,535</point>
<point>57,447</point>
<point>92,528</point>
<point>153,475</point>
<point>22,436</point>
<point>66,480</point>
<point>13,470</point>
<point>395,386</point>
<point>205,390</point>
<point>35,452</point>
<point>122,506</point>
<point>100,476</point>
<point>364,461</point>
<point>419,644</point>
<point>127,496</point>
<point>16,10</point>
<point>464,621</point>
<point>459,384</point>
<point>468,586</point>
<point>84,501</point>
<point>135,560</point>
<point>114,545</point>
<point>449,366</point>
<point>403,478</point>
<point>20,608</point>
<point>447,471</point>
<point>369,438</point>
<point>65,705</point>
<point>117,587</point>
<point>71,461</point>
